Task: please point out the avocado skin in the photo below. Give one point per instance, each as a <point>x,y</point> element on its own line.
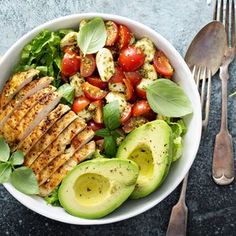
<point>157,136</point>
<point>121,186</point>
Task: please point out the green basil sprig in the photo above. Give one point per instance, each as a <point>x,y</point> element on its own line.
<point>22,178</point>
<point>167,98</point>
<point>92,36</point>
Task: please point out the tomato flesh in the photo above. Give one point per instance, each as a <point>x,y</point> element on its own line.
<point>141,108</point>
<point>124,37</point>
<point>95,126</point>
<point>127,113</point>
<point>97,117</point>
<point>92,92</point>
<point>129,89</point>
<point>118,76</point>
<point>112,33</point>
<point>162,64</point>
<point>80,103</point>
<point>96,81</point>
<point>131,58</point>
<point>70,64</point>
<point>87,66</point>
<point>134,77</point>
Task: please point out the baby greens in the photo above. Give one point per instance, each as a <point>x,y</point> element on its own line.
<point>92,36</point>
<point>168,99</point>
<point>22,178</point>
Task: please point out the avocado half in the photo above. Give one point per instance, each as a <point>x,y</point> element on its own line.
<point>95,188</point>
<point>150,146</point>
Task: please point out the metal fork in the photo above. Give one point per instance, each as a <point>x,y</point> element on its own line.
<point>223,162</point>
<point>179,214</point>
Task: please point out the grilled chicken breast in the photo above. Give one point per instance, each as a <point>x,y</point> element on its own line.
<point>58,146</point>
<point>49,137</point>
<point>42,128</point>
<point>81,139</point>
<point>24,93</point>
<point>15,84</point>
<point>82,154</point>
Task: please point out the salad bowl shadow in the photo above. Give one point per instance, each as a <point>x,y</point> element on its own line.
<point>191,141</point>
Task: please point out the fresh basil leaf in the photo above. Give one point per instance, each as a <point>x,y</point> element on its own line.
<point>110,146</point>
<point>111,115</point>
<point>167,98</point>
<point>4,150</point>
<point>103,132</point>
<point>115,134</point>
<point>92,37</point>
<point>53,199</point>
<point>5,172</point>
<point>68,93</point>
<point>24,180</point>
<point>17,158</point>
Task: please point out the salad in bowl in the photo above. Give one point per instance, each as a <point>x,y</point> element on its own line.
<point>92,115</point>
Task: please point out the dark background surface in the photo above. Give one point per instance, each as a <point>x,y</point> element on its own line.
<point>212,209</point>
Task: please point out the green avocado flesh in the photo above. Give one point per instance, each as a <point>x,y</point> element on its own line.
<point>150,146</point>
<point>95,188</point>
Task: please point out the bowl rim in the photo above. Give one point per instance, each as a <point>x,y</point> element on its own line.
<point>20,197</point>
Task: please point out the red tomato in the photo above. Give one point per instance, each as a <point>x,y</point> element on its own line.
<point>126,114</point>
<point>124,36</point>
<point>80,103</point>
<point>96,81</point>
<point>93,92</point>
<point>112,33</point>
<point>95,126</point>
<point>87,65</point>
<point>134,77</point>
<point>129,89</point>
<point>118,76</point>
<point>141,93</point>
<point>141,108</point>
<point>162,64</point>
<point>70,64</point>
<point>97,117</point>
<point>131,58</point>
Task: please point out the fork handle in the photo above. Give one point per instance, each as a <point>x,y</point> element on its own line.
<point>223,162</point>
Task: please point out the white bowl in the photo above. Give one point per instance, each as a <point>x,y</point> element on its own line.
<point>192,139</point>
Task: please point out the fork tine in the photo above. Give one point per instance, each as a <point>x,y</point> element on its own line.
<point>232,24</point>
<point>203,77</point>
<point>221,10</point>
<point>227,22</point>
<point>215,10</point>
<point>198,77</point>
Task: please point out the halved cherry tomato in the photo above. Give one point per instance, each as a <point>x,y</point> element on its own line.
<point>70,64</point>
<point>95,126</point>
<point>162,64</point>
<point>118,76</point>
<point>112,33</point>
<point>124,36</point>
<point>134,77</point>
<point>80,103</point>
<point>93,92</point>
<point>96,81</point>
<point>97,117</point>
<point>87,65</point>
<point>141,93</point>
<point>131,58</point>
<point>129,89</point>
<point>141,108</point>
<point>127,113</point>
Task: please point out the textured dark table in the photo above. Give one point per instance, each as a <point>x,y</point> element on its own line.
<point>212,209</point>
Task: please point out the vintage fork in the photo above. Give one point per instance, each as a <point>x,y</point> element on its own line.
<point>179,214</point>
<point>223,161</point>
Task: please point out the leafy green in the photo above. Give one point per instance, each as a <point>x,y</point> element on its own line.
<point>92,36</point>
<point>17,158</point>
<point>24,180</point>
<point>5,172</point>
<point>111,115</point>
<point>103,132</point>
<point>97,154</point>
<point>53,199</point>
<point>167,98</point>
<point>4,150</point>
<point>44,54</point>
<point>110,146</point>
<point>68,94</point>
<point>233,94</point>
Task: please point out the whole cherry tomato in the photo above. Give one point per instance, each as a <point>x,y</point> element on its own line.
<point>140,108</point>
<point>70,63</point>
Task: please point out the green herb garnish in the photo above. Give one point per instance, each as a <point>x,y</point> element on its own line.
<point>68,94</point>
<point>53,199</point>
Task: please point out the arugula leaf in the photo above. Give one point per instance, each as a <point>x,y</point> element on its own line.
<point>53,199</point>
<point>92,37</point>
<point>4,150</point>
<point>110,146</point>
<point>168,99</point>
<point>24,180</point>
<point>111,115</point>
<point>5,172</point>
<point>17,158</point>
<point>103,132</point>
<point>68,93</point>
<point>233,94</point>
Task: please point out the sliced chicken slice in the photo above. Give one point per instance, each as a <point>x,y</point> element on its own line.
<point>24,108</point>
<point>58,146</point>
<point>49,137</point>
<point>15,84</point>
<point>82,154</point>
<point>42,128</point>
<point>81,139</point>
<point>24,93</point>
